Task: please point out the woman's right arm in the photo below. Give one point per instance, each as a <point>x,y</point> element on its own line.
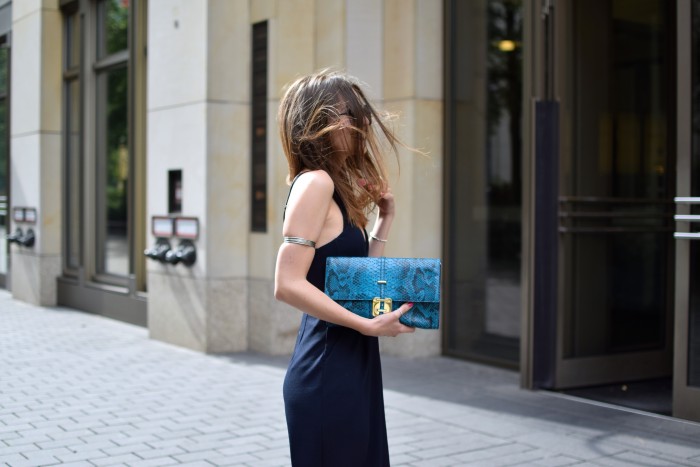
<point>307,210</point>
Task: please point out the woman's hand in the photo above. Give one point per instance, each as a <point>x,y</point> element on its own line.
<point>388,324</point>
<point>386,204</point>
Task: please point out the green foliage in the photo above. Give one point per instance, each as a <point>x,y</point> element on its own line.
<point>117,144</point>
<point>116,26</point>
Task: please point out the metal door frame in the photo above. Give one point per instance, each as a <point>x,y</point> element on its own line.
<point>547,35</point>
<point>686,399</point>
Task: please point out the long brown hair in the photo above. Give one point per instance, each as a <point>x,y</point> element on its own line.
<point>310,112</point>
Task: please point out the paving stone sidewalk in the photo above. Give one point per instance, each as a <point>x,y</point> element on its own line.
<point>82,390</point>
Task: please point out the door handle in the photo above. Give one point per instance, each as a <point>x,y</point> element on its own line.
<point>687,235</point>
<point>686,218</point>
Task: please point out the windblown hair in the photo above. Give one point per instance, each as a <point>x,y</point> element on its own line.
<point>309,113</point>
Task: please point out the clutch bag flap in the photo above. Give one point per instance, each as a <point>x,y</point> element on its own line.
<point>371,286</point>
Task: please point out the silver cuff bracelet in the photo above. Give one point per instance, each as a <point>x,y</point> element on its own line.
<point>300,241</point>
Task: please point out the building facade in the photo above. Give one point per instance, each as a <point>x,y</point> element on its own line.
<point>141,176</point>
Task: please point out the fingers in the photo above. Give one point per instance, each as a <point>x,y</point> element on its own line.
<point>389,325</point>
<point>400,312</point>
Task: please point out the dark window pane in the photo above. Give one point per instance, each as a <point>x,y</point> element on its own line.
<point>4,57</point>
<point>113,26</point>
<point>259,137</point>
<point>73,40</point>
<point>73,178</point>
<point>115,252</point>
<point>485,180</point>
<point>694,272</point>
<point>616,192</point>
<point>4,161</point>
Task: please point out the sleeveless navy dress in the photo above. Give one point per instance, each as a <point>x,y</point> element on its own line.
<point>333,387</point>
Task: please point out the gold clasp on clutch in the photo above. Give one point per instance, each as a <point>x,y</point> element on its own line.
<point>381,306</point>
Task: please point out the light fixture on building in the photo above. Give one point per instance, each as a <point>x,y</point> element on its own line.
<point>506,46</point>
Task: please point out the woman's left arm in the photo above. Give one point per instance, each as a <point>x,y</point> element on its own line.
<point>380,233</point>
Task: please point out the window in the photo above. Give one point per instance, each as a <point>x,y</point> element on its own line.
<point>259,136</point>
<point>113,155</point>
<point>71,142</point>
<point>483,173</point>
<point>4,153</point>
<point>103,88</point>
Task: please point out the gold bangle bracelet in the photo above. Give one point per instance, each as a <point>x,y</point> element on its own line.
<point>383,240</point>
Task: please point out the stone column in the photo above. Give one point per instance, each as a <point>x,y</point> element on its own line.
<point>35,146</point>
<point>294,33</point>
<point>412,87</point>
<point>199,122</point>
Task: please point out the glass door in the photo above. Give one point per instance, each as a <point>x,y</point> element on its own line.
<point>4,158</point>
<point>483,180</point>
<point>612,71</point>
<point>686,375</point>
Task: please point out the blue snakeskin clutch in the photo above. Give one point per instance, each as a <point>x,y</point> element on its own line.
<point>372,286</point>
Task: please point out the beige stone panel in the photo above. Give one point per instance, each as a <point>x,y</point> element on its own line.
<point>274,90</point>
<point>293,48</point>
<point>273,325</point>
<point>399,48</point>
<point>228,190</point>
<point>26,74</point>
<point>364,44</point>
<point>227,315</point>
<point>177,309</point>
<point>25,275</point>
<point>330,33</point>
<point>50,267</point>
<point>401,180</point>
<point>50,219</point>
<point>34,276</point>
<point>261,10</point>
<point>422,343</point>
<point>427,180</point>
<point>228,64</point>
<point>51,69</point>
<point>429,49</point>
<point>22,8</point>
<point>25,169</point>
<point>262,249</point>
<point>177,52</point>
<point>417,187</point>
<point>177,139</point>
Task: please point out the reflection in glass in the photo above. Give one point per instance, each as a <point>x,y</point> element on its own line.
<point>485,179</point>
<point>113,17</point>
<point>4,56</point>
<point>616,193</point>
<point>116,175</point>
<point>73,173</point>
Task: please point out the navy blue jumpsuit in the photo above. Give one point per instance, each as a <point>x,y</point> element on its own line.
<point>333,388</point>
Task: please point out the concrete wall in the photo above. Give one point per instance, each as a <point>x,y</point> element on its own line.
<point>200,123</point>
<point>35,145</point>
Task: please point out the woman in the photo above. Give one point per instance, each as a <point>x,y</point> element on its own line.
<point>333,387</point>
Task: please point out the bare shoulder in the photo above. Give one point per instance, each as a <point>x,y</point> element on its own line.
<point>308,205</point>
<point>316,183</point>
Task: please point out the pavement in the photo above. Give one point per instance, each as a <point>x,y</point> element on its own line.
<point>78,389</point>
